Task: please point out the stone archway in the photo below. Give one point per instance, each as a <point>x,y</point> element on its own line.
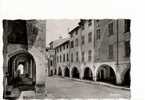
<point>18,78</point>
<point>51,72</point>
<point>59,71</point>
<point>55,72</point>
<point>127,79</point>
<point>66,72</point>
<point>88,74</point>
<point>75,73</point>
<point>106,74</point>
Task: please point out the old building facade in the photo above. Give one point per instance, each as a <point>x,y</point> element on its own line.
<point>62,57</point>
<point>99,50</point>
<point>24,53</point>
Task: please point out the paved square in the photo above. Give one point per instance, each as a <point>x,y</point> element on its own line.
<point>59,87</point>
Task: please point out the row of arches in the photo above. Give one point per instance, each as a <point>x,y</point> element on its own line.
<point>104,74</point>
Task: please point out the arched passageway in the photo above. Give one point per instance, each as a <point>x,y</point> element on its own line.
<point>88,74</point>
<point>51,73</point>
<point>59,71</point>
<point>55,72</point>
<point>106,74</point>
<point>127,78</point>
<point>21,69</point>
<point>75,73</point>
<point>66,72</point>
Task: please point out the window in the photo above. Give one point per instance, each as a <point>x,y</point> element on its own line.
<point>89,55</point>
<point>56,50</point>
<point>76,32</point>
<point>110,28</point>
<point>98,34</point>
<point>71,35</point>
<point>97,20</point>
<point>67,58</point>
<point>110,51</point>
<point>89,22</point>
<point>90,37</point>
<point>60,58</point>
<point>83,40</point>
<point>72,44</point>
<point>60,48</point>
<point>76,42</point>
<point>127,49</point>
<point>83,55</point>
<point>64,47</point>
<point>51,63</point>
<point>82,27</point>
<point>67,46</point>
<point>127,25</point>
<point>63,57</point>
<point>57,59</point>
<point>72,57</point>
<point>77,56</point>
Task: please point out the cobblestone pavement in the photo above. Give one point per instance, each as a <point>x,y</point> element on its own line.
<point>57,87</point>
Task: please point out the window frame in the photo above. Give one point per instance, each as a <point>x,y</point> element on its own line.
<point>90,55</point>
<point>89,22</point>
<point>111,29</point>
<point>111,51</point>
<point>76,42</point>
<point>127,23</point>
<point>98,36</point>
<point>83,56</point>
<point>77,56</point>
<point>127,48</point>
<point>82,40</point>
<point>71,57</point>
<point>89,37</point>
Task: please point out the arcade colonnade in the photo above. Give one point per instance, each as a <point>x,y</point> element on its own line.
<point>105,72</point>
<point>28,65</point>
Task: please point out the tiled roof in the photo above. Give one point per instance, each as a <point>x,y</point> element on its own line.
<point>58,42</point>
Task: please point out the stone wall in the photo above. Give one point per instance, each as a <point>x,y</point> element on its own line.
<point>36,31</point>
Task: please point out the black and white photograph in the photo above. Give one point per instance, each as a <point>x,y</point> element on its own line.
<point>72,50</point>
<point>78,58</point>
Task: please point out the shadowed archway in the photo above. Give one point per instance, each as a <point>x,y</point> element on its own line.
<point>106,74</point>
<point>59,71</point>
<point>127,78</point>
<point>75,73</point>
<point>21,70</point>
<point>66,72</point>
<point>51,73</point>
<point>55,72</point>
<point>88,74</point>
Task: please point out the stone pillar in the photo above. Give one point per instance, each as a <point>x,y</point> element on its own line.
<point>119,79</point>
<point>81,75</point>
<point>70,75</point>
<point>31,66</point>
<point>94,78</point>
<point>62,72</point>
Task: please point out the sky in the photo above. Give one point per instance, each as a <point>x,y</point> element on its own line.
<point>59,28</point>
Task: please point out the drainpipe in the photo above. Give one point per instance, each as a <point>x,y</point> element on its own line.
<point>117,45</point>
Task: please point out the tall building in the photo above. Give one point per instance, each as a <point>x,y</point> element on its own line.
<point>99,50</point>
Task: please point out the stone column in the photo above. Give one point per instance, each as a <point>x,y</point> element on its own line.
<point>70,73</point>
<point>31,68</point>
<point>119,79</point>
<point>81,75</point>
<point>94,78</point>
